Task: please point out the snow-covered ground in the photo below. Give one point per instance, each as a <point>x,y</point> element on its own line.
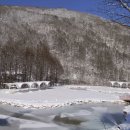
<point>62,96</point>
<point>22,124</point>
<point>126,124</point>
<point>62,118</point>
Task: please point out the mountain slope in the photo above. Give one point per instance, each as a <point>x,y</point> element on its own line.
<point>88,49</point>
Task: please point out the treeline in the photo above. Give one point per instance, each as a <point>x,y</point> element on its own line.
<point>24,62</point>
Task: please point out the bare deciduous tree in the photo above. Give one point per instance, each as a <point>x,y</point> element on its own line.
<point>118,10</point>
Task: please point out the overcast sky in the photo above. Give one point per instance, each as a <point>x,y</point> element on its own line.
<point>90,6</point>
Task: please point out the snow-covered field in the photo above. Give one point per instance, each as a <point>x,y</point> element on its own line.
<point>63,96</point>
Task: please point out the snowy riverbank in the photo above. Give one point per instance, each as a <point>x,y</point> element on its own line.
<point>102,115</point>
<point>62,96</point>
<point>65,96</point>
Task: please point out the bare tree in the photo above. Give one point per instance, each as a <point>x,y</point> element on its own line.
<point>118,10</point>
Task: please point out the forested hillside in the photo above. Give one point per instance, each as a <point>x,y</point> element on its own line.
<point>62,45</point>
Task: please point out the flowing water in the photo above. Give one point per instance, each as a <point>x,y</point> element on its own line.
<point>78,117</point>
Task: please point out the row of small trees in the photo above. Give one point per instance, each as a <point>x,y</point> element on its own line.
<point>21,62</point>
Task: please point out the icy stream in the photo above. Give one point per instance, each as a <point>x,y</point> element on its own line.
<point>78,117</point>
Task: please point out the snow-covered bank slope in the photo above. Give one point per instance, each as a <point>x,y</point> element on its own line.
<point>21,124</point>
<point>61,96</point>
<point>126,124</point>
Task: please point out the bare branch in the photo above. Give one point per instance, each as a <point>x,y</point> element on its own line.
<point>118,10</point>
<point>124,5</point>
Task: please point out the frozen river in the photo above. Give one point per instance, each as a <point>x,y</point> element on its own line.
<point>78,117</point>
